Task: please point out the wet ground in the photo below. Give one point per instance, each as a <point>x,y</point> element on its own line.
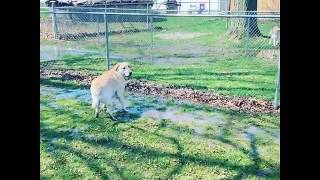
<point>185,56</point>
<point>161,109</point>
<point>143,87</point>
<point>54,52</point>
<point>180,35</point>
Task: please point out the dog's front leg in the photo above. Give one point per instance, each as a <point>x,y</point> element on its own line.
<point>124,103</point>
<point>122,100</point>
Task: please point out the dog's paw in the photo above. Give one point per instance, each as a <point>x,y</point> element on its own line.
<point>126,111</point>
<point>112,117</point>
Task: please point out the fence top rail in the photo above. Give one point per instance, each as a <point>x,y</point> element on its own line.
<point>144,3</point>
<point>77,7</point>
<point>169,15</point>
<point>167,10</point>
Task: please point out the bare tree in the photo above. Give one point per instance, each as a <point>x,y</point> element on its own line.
<point>241,27</point>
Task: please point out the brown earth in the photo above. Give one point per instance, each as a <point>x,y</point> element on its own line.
<point>143,87</point>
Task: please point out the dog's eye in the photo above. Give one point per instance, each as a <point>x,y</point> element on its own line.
<point>123,67</point>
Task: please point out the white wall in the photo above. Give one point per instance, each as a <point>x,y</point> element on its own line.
<point>187,5</point>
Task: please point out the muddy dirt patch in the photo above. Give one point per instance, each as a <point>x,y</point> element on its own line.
<point>143,87</point>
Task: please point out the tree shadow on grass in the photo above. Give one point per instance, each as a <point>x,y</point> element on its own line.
<point>253,153</point>
<point>87,159</point>
<point>58,83</point>
<point>113,142</point>
<point>153,153</point>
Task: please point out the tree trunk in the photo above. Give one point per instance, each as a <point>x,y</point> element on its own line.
<point>252,24</point>
<point>242,27</point>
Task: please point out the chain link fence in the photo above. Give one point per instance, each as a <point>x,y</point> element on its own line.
<point>141,35</point>
<point>152,36</point>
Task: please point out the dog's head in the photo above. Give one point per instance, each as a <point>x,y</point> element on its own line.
<point>123,69</point>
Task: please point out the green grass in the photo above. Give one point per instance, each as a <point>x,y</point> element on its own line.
<point>242,77</point>
<point>43,8</point>
<point>148,148</point>
<point>239,77</point>
<point>145,148</point>
<point>214,28</point>
<point>44,14</point>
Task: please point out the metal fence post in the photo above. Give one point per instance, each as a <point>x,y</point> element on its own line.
<point>98,30</point>
<point>277,93</point>
<point>147,16</point>
<point>151,30</point>
<point>106,41</point>
<point>247,30</point>
<point>54,23</point>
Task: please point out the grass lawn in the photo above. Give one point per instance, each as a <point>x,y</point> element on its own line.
<point>43,7</point>
<point>161,138</point>
<point>212,29</point>
<point>249,77</point>
<point>224,145</point>
<point>210,62</point>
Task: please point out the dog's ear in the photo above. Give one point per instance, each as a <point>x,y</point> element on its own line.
<point>116,67</point>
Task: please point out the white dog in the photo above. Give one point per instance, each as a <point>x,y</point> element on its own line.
<point>275,36</point>
<point>110,84</point>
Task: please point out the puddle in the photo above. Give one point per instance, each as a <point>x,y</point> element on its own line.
<point>173,114</point>
<point>51,52</point>
<point>54,140</point>
<point>119,57</point>
<point>42,106</point>
<point>60,93</point>
<point>142,107</point>
<point>185,51</point>
<point>74,133</point>
<point>79,94</point>
<point>169,61</point>
<point>180,35</point>
<point>254,131</point>
<point>158,109</point>
<point>84,127</point>
<point>63,129</point>
<point>90,137</point>
<point>51,149</point>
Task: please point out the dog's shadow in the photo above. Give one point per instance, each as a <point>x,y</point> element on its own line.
<point>137,108</point>
<point>121,116</point>
<point>136,111</point>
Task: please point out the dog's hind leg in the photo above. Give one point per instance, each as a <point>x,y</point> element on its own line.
<point>95,105</point>
<point>104,106</point>
<point>111,116</point>
<point>109,112</point>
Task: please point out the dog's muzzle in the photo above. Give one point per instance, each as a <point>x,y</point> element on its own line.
<point>127,77</point>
